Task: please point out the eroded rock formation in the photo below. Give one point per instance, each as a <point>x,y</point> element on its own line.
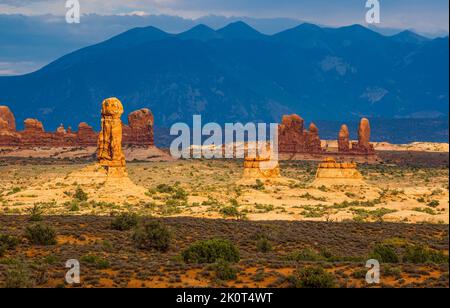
<point>260,166</point>
<point>293,138</point>
<point>363,146</point>
<point>344,139</point>
<point>109,151</point>
<point>330,172</point>
<point>138,133</point>
<point>7,120</point>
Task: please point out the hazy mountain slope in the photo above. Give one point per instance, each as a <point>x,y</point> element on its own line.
<point>238,74</point>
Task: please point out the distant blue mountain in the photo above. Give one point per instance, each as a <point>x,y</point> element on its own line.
<point>239,74</point>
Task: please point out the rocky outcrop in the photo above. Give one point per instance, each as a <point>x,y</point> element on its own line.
<point>109,152</point>
<point>138,133</point>
<point>363,146</point>
<point>344,139</point>
<point>7,120</point>
<point>86,136</point>
<point>330,172</point>
<point>293,138</point>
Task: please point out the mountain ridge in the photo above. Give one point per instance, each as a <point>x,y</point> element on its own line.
<point>239,75</point>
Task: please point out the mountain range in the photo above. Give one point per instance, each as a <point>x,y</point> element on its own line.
<point>239,74</point>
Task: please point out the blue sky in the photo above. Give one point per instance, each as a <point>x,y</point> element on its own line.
<point>421,15</point>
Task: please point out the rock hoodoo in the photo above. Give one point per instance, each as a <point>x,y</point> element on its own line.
<point>109,153</point>
<point>139,131</point>
<point>363,146</point>
<point>344,139</point>
<point>293,138</point>
<point>7,119</point>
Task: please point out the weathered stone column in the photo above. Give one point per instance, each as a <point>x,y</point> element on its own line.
<point>110,155</point>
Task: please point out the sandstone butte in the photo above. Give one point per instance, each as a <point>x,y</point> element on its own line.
<point>138,132</point>
<point>294,138</point>
<point>330,172</point>
<point>260,165</point>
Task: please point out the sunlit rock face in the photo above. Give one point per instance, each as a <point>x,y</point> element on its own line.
<point>294,138</point>
<point>137,134</point>
<point>109,151</point>
<point>344,139</point>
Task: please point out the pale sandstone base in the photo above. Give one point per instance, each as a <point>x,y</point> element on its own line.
<point>101,185</point>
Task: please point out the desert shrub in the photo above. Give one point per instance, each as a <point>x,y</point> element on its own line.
<point>419,254</point>
<point>40,234</point>
<point>13,191</point>
<point>433,203</point>
<point>384,253</point>
<point>180,194</point>
<point>234,202</point>
<point>74,206</point>
<point>230,211</point>
<point>152,235</point>
<point>95,261</point>
<point>80,195</point>
<point>259,185</point>
<point>305,255</point>
<point>312,277</point>
<point>18,277</point>
<point>36,213</point>
<point>224,270</point>
<point>263,245</point>
<point>125,221</point>
<point>164,189</point>
<point>7,242</point>
<point>210,251</point>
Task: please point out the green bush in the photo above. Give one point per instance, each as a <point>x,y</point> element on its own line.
<point>433,203</point>
<point>80,195</point>
<point>125,221</point>
<point>95,261</point>
<point>36,213</point>
<point>152,235</point>
<point>419,254</point>
<point>40,234</point>
<point>230,211</point>
<point>210,251</point>
<point>263,245</point>
<point>312,277</point>
<point>224,271</point>
<point>259,185</point>
<point>164,189</point>
<point>385,254</point>
<point>7,242</point>
<point>18,277</point>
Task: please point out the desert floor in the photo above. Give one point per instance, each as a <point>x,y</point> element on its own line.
<point>109,258</point>
<point>405,205</point>
<point>408,187</point>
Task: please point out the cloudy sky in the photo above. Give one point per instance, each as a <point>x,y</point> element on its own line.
<point>421,15</point>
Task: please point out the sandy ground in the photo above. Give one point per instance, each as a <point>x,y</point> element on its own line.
<point>209,189</point>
